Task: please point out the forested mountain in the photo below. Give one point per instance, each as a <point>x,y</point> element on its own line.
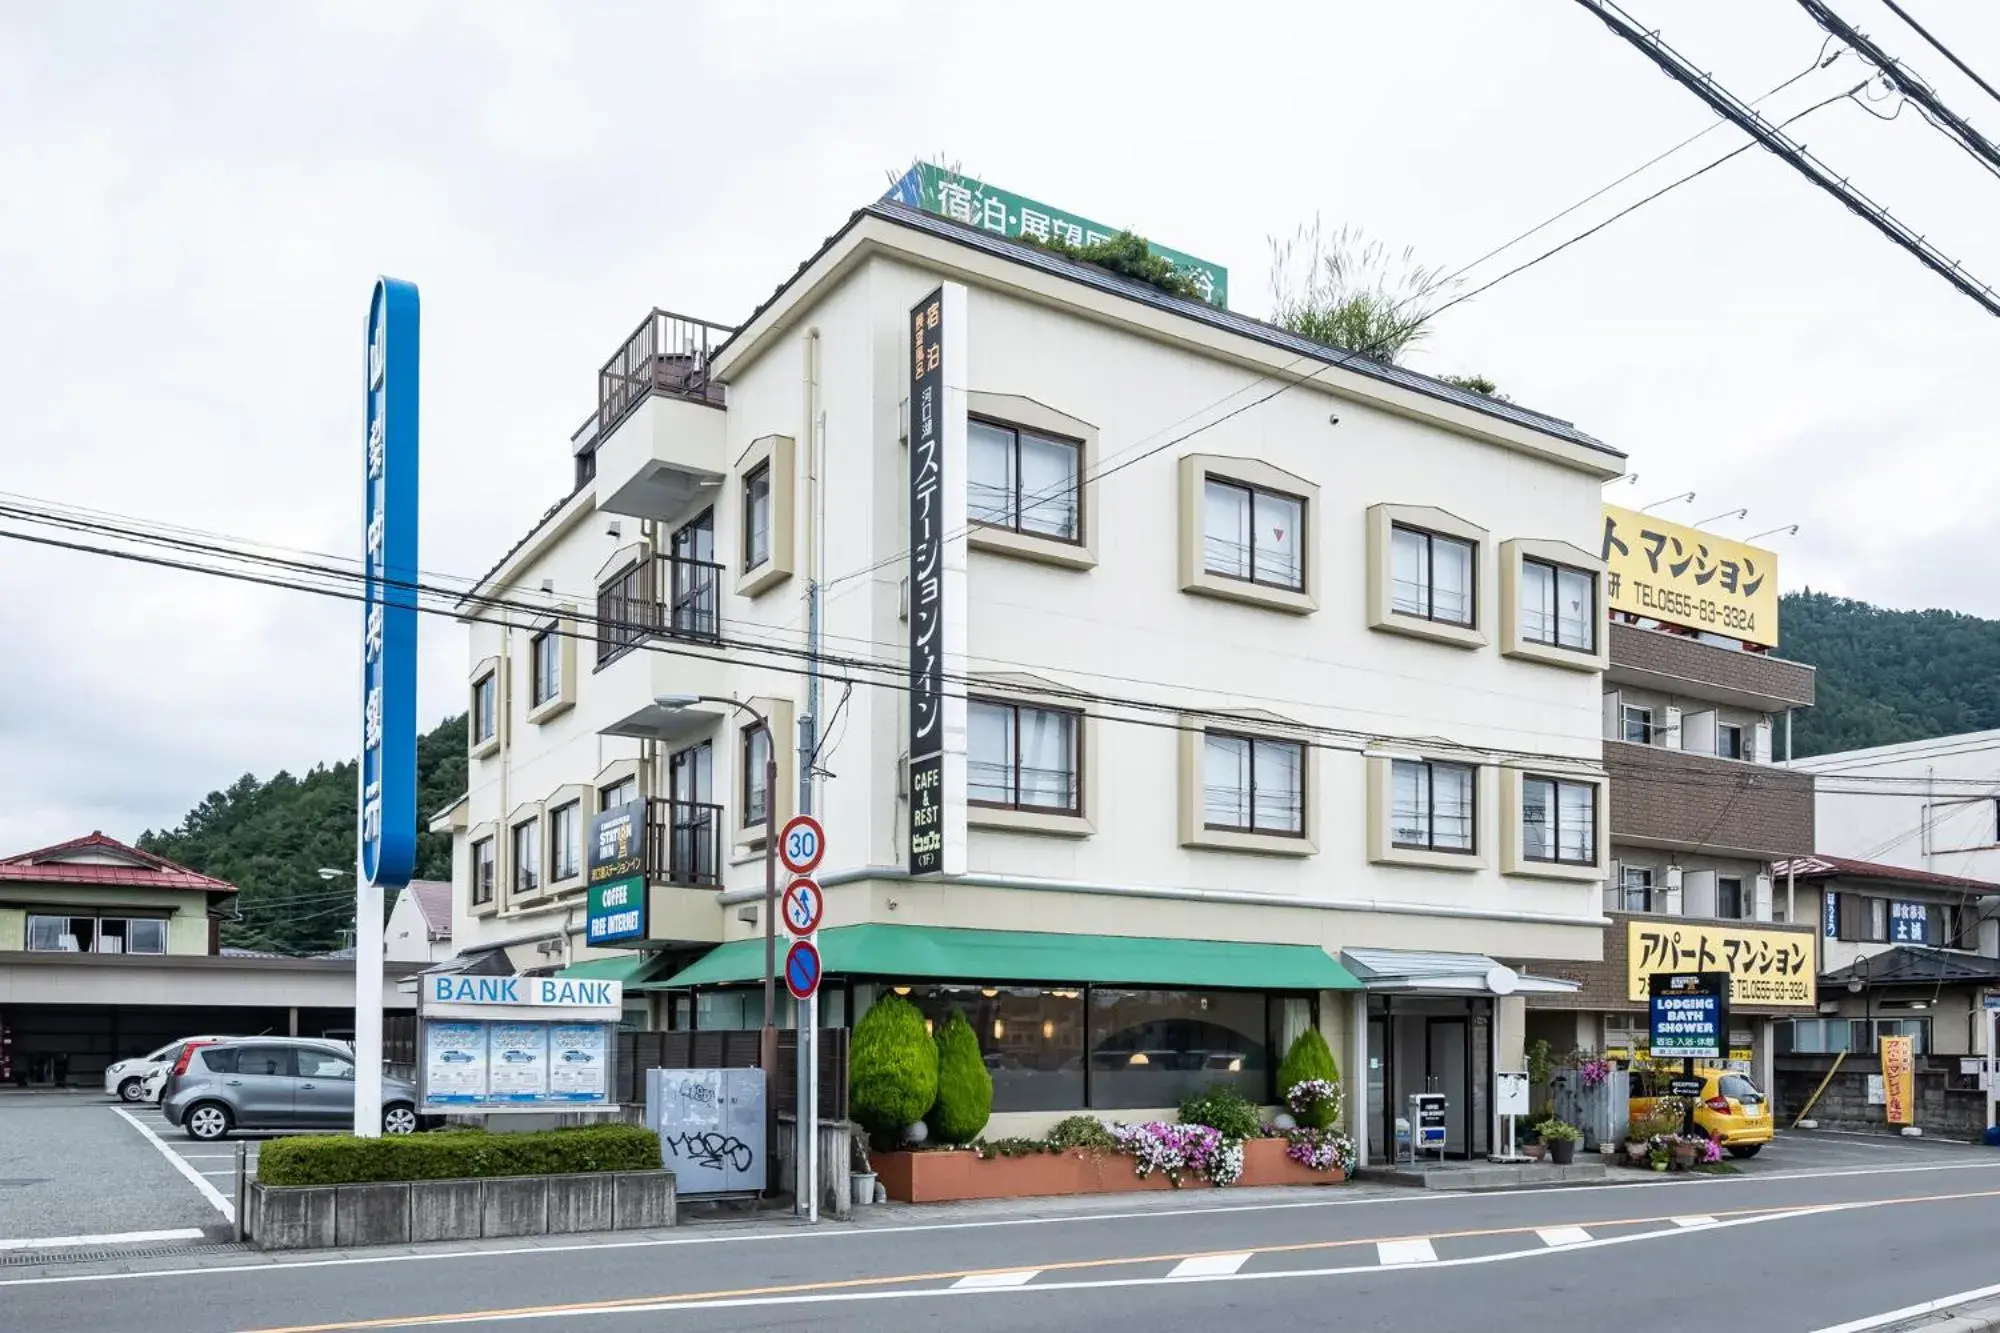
<point>1889,676</point>
<point>271,838</point>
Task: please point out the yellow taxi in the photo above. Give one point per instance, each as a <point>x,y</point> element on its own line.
<point>1729,1110</point>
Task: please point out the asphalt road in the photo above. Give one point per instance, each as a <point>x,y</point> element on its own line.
<point>1822,1232</point>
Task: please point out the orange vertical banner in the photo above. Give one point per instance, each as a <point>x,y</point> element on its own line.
<point>1899,1080</point>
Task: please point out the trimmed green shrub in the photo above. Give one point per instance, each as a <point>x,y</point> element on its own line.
<point>964,1086</point>
<point>892,1070</point>
<point>1309,1058</point>
<point>340,1159</point>
<point>1222,1110</point>
<point>1082,1131</point>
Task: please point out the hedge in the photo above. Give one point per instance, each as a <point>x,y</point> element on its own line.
<point>457,1155</point>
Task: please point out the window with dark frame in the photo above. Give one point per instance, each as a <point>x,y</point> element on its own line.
<point>565,846</point>
<point>545,667</point>
<point>1253,784</point>
<point>622,792</point>
<point>527,867</point>
<point>1254,535</point>
<point>1432,576</point>
<point>1637,724</point>
<point>756,751</point>
<point>1729,898</point>
<point>1024,756</point>
<point>1728,741</point>
<point>1558,821</point>
<point>1637,882</point>
<point>1558,606</point>
<point>1433,805</point>
<point>485,708</point>
<point>756,516</point>
<point>49,933</point>
<point>482,871</point>
<point>1024,481</point>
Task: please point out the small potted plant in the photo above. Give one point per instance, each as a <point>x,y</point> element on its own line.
<point>1687,1147</point>
<point>861,1174</point>
<point>1660,1154</point>
<point>1561,1138</point>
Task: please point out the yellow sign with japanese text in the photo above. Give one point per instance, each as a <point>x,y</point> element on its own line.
<point>1765,967</point>
<point>1684,576</point>
<point>1899,1080</point>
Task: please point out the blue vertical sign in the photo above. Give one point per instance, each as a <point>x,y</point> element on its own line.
<point>388,795</point>
<point>1830,915</point>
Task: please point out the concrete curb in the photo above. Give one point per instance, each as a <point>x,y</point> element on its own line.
<point>1977,1317</point>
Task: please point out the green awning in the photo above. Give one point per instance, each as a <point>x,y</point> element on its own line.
<point>630,968</point>
<point>1018,955</point>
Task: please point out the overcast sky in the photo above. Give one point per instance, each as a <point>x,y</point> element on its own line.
<point>198,197</point>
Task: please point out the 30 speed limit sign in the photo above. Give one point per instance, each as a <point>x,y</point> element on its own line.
<point>801,844</point>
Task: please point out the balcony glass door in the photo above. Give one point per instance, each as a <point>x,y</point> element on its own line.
<point>692,822</point>
<point>693,588</point>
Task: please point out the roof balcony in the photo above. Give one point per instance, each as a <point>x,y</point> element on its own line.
<point>655,446</point>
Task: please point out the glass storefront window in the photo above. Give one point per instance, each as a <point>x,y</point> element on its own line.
<point>1031,1039</point>
<point>1150,1048</point>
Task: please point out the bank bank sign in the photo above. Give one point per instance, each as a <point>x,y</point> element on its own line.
<point>524,992</point>
<point>388,779</point>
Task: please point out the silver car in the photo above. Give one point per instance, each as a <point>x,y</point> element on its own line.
<point>275,1083</point>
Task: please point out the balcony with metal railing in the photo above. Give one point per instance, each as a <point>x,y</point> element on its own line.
<point>666,596</point>
<point>683,842</point>
<point>659,631</point>
<point>654,447</point>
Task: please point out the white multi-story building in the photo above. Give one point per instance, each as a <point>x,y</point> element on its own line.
<point>1273,680</point>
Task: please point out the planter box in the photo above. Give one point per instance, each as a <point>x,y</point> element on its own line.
<point>1265,1163</point>
<point>940,1177</point>
<point>514,1206</point>
<point>377,1214</point>
<point>579,1203</point>
<point>444,1209</point>
<point>398,1212</point>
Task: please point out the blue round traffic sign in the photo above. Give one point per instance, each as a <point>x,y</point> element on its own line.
<point>802,970</point>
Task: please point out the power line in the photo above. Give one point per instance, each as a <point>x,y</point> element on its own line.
<point>1794,154</point>
<point>1942,49</point>
<point>1953,126</point>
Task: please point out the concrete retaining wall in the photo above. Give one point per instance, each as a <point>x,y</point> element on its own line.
<point>1942,1112</point>
<point>303,1217</point>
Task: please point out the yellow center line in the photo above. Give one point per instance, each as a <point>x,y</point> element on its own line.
<point>1070,1265</point>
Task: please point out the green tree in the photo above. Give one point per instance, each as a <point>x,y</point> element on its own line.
<point>1354,293</point>
<point>270,839</point>
<point>1885,677</point>
<point>892,1070</point>
<point>964,1086</point>
<point>1308,1058</point>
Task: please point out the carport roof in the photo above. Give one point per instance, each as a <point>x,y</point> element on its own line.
<point>97,859</point>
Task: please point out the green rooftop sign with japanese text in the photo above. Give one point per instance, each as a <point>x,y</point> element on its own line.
<point>963,199</point>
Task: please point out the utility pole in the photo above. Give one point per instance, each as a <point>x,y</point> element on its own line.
<point>806,1152</point>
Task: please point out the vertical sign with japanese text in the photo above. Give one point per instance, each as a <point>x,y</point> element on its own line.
<point>927,604</point>
<point>388,776</point>
<point>615,876</point>
<point>1899,1079</point>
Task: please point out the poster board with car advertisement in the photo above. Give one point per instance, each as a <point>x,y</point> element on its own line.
<point>514,1046</point>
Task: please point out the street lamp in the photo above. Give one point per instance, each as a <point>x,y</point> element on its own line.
<point>1856,985</point>
<point>767,1046</point>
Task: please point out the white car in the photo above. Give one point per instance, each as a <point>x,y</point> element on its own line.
<point>132,1080</point>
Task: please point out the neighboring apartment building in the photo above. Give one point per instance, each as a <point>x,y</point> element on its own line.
<point>1925,805</point>
<point>1699,814</point>
<point>419,926</point>
<point>1255,717</point>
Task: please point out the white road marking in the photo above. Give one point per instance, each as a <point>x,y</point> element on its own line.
<point>1912,1311</point>
<point>1262,1275</point>
<point>1698,1220</point>
<point>976,1281</point>
<point>195,1178</point>
<point>1387,1198</point>
<point>1209,1265</point>
<point>1405,1252</point>
<point>1563,1235</point>
<point>115,1238</point>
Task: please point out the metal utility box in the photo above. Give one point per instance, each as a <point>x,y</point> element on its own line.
<point>711,1124</point>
